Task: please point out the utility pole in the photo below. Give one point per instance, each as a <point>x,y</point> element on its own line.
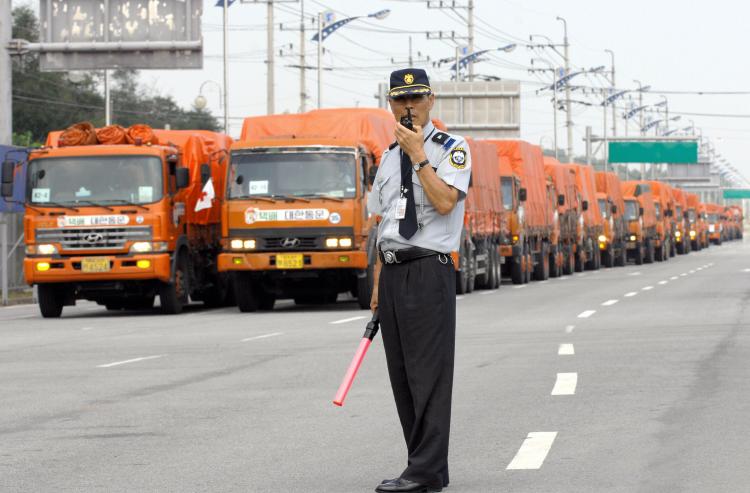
<point>320,53</point>
<point>270,52</point>
<point>411,57</point>
<point>302,89</point>
<point>225,56</point>
<point>107,98</point>
<point>470,26</point>
<point>614,85</point>
<point>568,105</point>
<point>6,97</point>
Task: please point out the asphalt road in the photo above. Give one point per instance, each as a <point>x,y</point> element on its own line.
<point>558,388</point>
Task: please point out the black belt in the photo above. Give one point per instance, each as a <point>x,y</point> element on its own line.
<point>405,255</point>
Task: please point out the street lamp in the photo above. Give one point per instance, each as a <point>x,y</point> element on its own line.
<point>324,32</point>
<point>201,102</point>
<point>474,57</point>
<point>554,97</point>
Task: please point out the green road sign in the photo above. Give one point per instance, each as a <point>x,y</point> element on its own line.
<point>677,152</point>
<point>736,193</point>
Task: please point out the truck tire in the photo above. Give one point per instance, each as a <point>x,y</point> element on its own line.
<point>113,306</point>
<point>650,252</point>
<point>622,259</point>
<point>608,256</point>
<point>51,300</point>
<point>218,294</point>
<point>471,284</point>
<point>541,269</point>
<point>638,255</point>
<point>579,261</point>
<point>591,262</point>
<point>266,300</point>
<point>490,267</point>
<point>659,254</point>
<point>463,273</point>
<point>672,248</point>
<point>529,265</point>
<point>555,264</point>
<point>498,268</point>
<point>569,261</point>
<point>173,296</point>
<point>517,274</point>
<point>483,280</point>
<point>244,292</point>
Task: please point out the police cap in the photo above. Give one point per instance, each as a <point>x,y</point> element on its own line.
<point>409,81</point>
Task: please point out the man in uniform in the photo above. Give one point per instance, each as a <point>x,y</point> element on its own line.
<point>419,193</point>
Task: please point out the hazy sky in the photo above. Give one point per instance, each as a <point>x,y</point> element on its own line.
<point>671,45</point>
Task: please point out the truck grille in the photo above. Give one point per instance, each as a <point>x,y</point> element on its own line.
<point>93,238</point>
<point>292,243</point>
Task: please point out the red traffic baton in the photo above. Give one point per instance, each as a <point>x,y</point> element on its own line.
<point>370,331</point>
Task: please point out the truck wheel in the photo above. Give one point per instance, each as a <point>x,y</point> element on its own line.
<point>608,256</point>
<point>517,274</point>
<point>471,284</point>
<point>483,280</point>
<point>529,265</point>
<point>554,261</point>
<point>244,292</point>
<point>462,274</point>
<point>638,254</point>
<point>498,268</point>
<point>541,269</point>
<point>50,300</point>
<point>490,267</point>
<point>364,288</point>
<point>579,260</point>
<point>659,254</point>
<point>569,261</point>
<point>650,252</point>
<point>591,262</point>
<point>174,295</point>
<point>266,300</point>
<point>622,259</point>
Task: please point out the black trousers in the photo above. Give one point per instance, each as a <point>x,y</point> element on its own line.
<point>417,307</point>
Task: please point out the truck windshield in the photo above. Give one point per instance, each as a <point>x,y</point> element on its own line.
<point>297,174</point>
<point>506,183</point>
<point>603,207</point>
<point>691,215</point>
<point>657,207</point>
<point>713,218</point>
<point>678,211</point>
<point>95,179</point>
<point>631,210</point>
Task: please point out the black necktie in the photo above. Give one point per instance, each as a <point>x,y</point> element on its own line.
<point>408,225</point>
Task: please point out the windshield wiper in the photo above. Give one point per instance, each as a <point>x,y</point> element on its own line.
<point>89,202</point>
<point>324,196</point>
<point>62,206</point>
<point>254,197</point>
<point>129,203</point>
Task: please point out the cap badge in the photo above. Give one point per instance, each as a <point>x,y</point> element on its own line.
<point>409,78</point>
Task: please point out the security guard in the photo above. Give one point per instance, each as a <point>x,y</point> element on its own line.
<point>419,193</point>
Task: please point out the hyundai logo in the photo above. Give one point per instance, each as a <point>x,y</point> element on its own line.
<point>93,238</point>
<point>290,242</point>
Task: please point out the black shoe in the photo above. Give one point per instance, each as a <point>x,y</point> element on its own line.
<point>401,484</point>
<point>386,481</point>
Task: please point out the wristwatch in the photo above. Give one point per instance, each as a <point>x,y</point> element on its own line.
<point>421,165</point>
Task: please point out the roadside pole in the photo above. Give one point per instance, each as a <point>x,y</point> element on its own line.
<point>6,126</point>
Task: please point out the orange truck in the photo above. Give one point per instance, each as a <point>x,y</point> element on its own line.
<point>120,224</point>
<point>698,232</point>
<point>682,221</point>
<point>591,223</point>
<point>295,222</point>
<point>613,241</point>
<point>735,215</point>
<point>565,234</point>
<point>525,190</point>
<point>715,222</point>
<point>641,216</point>
<point>664,206</point>
<point>485,223</point>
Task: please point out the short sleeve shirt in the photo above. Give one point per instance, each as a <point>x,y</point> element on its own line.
<point>450,155</point>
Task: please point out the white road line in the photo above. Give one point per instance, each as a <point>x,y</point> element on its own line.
<point>647,288</point>
<point>264,336</point>
<point>691,272</point>
<point>630,294</point>
<point>609,302</point>
<point>745,270</point>
<point>566,350</point>
<point>134,360</point>
<point>674,278</point>
<point>635,273</point>
<point>491,291</point>
<point>586,314</point>
<point>520,287</point>
<point>565,384</point>
<point>533,451</point>
<point>345,320</point>
<point>569,328</point>
<point>683,274</point>
<point>663,282</point>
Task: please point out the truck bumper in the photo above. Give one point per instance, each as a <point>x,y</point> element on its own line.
<point>242,261</point>
<point>68,269</point>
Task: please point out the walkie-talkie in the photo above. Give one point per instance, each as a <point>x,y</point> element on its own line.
<point>407,121</point>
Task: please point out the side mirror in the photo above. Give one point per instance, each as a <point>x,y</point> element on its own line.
<point>561,200</point>
<point>6,180</point>
<point>614,209</point>
<point>640,211</point>
<point>205,173</point>
<point>585,205</point>
<point>638,190</point>
<point>686,215</point>
<point>239,180</point>
<point>522,195</point>
<point>371,174</point>
<point>182,178</point>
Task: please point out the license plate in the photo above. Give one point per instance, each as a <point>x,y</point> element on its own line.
<point>290,261</point>
<point>95,264</point>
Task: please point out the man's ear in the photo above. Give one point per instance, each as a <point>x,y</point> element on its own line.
<point>430,101</point>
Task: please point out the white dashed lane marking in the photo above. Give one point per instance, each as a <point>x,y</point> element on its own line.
<point>565,384</point>
<point>491,291</point>
<point>647,288</point>
<point>609,302</point>
<point>345,320</point>
<point>674,278</point>
<point>586,314</point>
<point>630,294</point>
<point>566,350</point>
<point>134,360</point>
<point>569,328</point>
<point>663,282</point>
<point>264,336</point>
<point>533,451</point>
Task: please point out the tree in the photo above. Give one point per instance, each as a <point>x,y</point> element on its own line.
<point>45,101</point>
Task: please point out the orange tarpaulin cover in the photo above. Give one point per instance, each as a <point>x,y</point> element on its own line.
<point>527,162</point>
<point>609,183</point>
<point>586,185</point>
<point>484,204</point>
<point>645,199</point>
<point>371,126</point>
<point>111,135</point>
<point>80,134</point>
<point>565,182</point>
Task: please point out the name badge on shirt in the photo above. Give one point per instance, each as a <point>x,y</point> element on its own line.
<point>400,211</point>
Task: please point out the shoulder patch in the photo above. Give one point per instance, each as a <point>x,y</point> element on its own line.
<point>390,147</point>
<point>457,158</point>
<point>440,137</point>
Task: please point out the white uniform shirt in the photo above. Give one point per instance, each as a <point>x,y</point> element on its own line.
<point>441,233</point>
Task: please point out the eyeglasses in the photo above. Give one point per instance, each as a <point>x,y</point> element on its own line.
<point>409,98</point>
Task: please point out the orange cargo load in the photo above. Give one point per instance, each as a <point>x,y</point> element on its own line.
<point>484,204</point>
<point>586,185</point>
<point>564,180</point>
<point>609,183</point>
<point>645,200</point>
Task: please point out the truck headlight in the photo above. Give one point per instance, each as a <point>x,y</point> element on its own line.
<point>692,234</point>
<point>248,244</point>
<point>633,237</point>
<point>332,242</point>
<point>677,234</point>
<point>240,244</point>
<point>148,247</point>
<point>345,242</point>
<point>602,239</point>
<point>46,249</point>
